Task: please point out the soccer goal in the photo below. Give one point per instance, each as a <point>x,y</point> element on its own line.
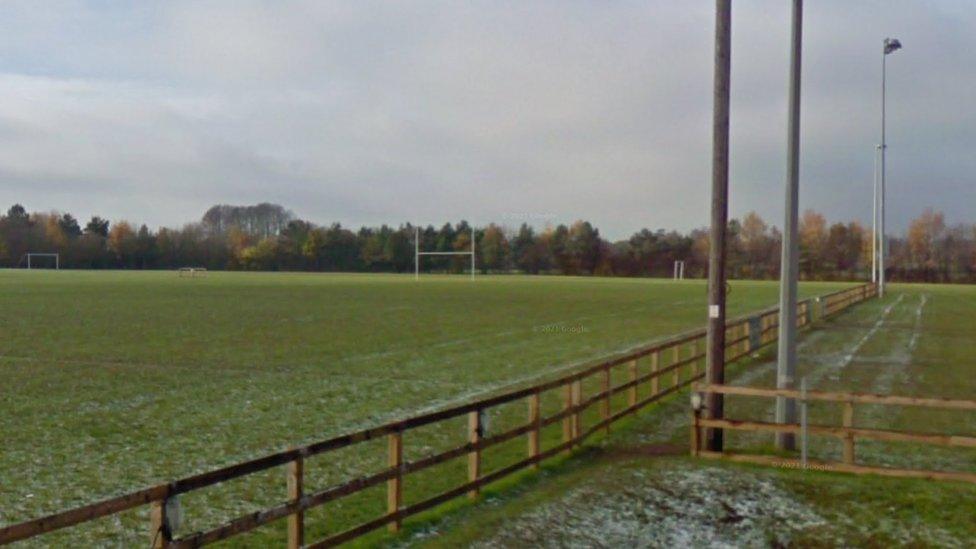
<point>192,272</point>
<point>31,259</point>
<point>679,270</point>
<point>418,254</point>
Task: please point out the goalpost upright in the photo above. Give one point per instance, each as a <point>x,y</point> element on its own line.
<point>417,253</point>
<point>679,270</point>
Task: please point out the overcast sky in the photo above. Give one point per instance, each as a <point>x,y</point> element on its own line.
<point>369,112</point>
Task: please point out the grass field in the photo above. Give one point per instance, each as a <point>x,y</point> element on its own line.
<point>118,380</point>
<point>917,341</point>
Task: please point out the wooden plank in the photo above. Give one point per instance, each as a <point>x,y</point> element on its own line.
<point>568,420</point>
<point>535,418</point>
<point>78,515</point>
<point>577,415</point>
<point>857,398</point>
<point>848,421</point>
<point>632,392</point>
<point>676,359</point>
<point>422,506</point>
<point>655,364</point>
<point>844,432</point>
<point>832,466</point>
<point>159,536</point>
<point>475,423</point>
<point>605,408</point>
<point>296,488</point>
<point>394,486</point>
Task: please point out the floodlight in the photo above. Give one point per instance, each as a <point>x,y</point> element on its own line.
<point>891,45</point>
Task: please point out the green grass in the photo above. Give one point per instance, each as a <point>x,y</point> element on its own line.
<point>917,341</point>
<point>118,380</point>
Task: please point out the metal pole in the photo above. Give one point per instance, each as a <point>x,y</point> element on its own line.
<point>881,232</point>
<point>416,253</point>
<point>874,220</point>
<point>803,422</point>
<point>472,252</point>
<point>790,264</point>
<point>715,353</point>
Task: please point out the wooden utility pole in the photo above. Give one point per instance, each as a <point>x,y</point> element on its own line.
<point>715,359</point>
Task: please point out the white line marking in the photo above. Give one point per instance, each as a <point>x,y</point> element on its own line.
<point>918,323</point>
<point>874,329</point>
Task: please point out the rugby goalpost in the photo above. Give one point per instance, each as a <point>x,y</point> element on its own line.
<point>679,270</point>
<point>417,254</point>
<point>30,255</point>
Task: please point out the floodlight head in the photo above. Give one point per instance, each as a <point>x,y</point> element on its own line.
<point>891,45</point>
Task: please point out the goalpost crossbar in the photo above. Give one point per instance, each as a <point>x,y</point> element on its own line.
<point>417,254</point>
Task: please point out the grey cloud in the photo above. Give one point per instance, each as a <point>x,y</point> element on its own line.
<point>369,112</point>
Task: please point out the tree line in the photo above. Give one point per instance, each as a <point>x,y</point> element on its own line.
<point>270,237</point>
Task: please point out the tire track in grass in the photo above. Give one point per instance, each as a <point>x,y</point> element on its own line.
<point>825,365</point>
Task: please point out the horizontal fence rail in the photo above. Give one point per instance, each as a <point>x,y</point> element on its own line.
<point>675,363</point>
<point>847,432</point>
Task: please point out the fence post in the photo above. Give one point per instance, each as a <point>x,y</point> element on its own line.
<point>474,457</point>
<point>632,392</point>
<point>676,357</point>
<point>394,486</point>
<point>577,415</point>
<point>695,433</point>
<point>160,536</point>
<point>568,420</point>
<point>296,521</point>
<point>535,419</point>
<point>605,411</point>
<point>848,438</point>
<point>655,364</point>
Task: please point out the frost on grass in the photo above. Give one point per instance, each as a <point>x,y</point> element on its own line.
<point>691,507</point>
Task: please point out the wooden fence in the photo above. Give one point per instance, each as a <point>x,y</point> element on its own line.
<point>674,364</point>
<point>847,432</point>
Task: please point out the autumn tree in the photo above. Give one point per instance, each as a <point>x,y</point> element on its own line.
<point>494,249</point>
<point>122,242</point>
<point>813,240</point>
<point>759,247</point>
<point>924,235</point>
